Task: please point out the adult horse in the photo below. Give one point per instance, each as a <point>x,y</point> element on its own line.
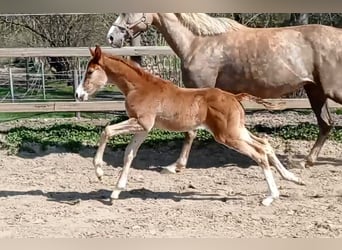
<point>265,62</point>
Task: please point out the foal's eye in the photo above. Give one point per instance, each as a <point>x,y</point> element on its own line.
<point>90,71</point>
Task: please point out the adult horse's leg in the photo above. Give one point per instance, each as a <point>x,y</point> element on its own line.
<point>318,101</point>
<point>182,160</point>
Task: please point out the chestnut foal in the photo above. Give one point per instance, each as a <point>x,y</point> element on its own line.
<point>152,102</point>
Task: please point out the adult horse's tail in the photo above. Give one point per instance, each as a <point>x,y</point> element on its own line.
<point>271,106</point>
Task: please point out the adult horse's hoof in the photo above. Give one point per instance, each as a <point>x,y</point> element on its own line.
<point>309,164</point>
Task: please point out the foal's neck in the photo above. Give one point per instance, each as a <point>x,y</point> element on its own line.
<point>122,73</point>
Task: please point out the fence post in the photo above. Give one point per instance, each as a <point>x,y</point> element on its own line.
<point>78,114</point>
<point>79,70</point>
<point>136,42</point>
<point>11,83</point>
<point>43,79</point>
<point>27,74</point>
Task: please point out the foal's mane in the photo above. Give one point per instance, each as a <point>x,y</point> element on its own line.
<point>202,24</point>
<point>139,70</point>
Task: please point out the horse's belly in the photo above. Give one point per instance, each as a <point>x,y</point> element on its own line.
<point>264,84</point>
<point>177,124</point>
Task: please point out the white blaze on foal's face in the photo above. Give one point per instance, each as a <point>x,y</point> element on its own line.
<point>94,78</point>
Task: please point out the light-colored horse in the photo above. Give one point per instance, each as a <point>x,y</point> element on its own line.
<point>152,102</point>
<point>264,62</point>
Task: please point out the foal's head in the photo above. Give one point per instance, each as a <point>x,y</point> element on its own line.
<point>94,77</point>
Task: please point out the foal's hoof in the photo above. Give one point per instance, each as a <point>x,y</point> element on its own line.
<point>300,182</point>
<point>99,173</point>
<point>168,170</point>
<point>267,201</point>
<point>172,168</point>
<point>115,194</point>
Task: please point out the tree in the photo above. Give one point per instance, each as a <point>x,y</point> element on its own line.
<point>58,31</point>
<point>299,19</point>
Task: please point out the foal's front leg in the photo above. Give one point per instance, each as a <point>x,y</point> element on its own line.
<point>130,153</point>
<point>129,126</point>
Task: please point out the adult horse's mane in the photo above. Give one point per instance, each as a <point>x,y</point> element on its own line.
<point>202,24</point>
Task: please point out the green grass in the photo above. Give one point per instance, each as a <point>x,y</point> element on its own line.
<point>302,131</point>
<point>53,90</point>
<point>73,136</point>
<point>16,116</point>
<point>4,117</point>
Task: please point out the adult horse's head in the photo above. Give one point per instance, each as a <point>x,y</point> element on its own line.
<point>128,26</point>
<point>94,77</point>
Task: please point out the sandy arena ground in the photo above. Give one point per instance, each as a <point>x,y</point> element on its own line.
<point>55,193</point>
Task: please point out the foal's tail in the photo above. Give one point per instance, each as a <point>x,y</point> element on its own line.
<point>271,106</point>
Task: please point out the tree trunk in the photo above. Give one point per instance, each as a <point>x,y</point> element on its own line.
<point>299,19</point>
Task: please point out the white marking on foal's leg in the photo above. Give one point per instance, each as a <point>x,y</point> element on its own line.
<point>98,159</point>
<point>130,153</point>
<point>109,131</point>
<point>285,173</point>
<point>99,172</point>
<point>272,187</point>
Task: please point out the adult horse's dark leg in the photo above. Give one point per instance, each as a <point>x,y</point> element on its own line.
<point>318,101</point>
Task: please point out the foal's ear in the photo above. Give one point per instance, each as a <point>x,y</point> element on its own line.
<point>98,52</point>
<point>92,52</point>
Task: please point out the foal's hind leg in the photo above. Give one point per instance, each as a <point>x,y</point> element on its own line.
<point>246,145</point>
<point>182,160</point>
<point>274,161</point>
<point>128,126</point>
<point>318,102</point>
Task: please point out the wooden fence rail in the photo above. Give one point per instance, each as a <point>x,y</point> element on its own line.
<point>105,106</point>
<point>84,51</point>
